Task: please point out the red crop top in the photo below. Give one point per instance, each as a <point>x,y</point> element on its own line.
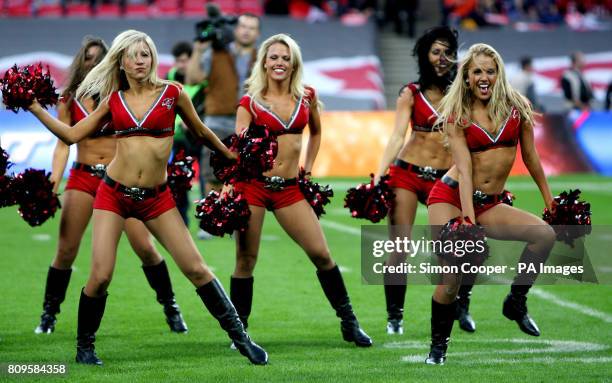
<point>423,115</point>
<point>78,112</point>
<point>158,121</point>
<point>479,139</point>
<point>265,117</point>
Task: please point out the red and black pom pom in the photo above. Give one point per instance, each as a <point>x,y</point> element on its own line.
<point>316,195</point>
<point>370,201</point>
<point>257,149</point>
<point>180,174</point>
<point>569,217</point>
<point>21,85</point>
<point>7,194</point>
<point>224,169</point>
<point>223,214</point>
<point>459,230</point>
<point>34,194</point>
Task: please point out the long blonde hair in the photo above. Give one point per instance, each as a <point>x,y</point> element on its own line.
<point>107,76</point>
<point>456,104</point>
<point>257,83</point>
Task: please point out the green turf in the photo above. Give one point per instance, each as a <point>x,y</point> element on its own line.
<point>292,319</point>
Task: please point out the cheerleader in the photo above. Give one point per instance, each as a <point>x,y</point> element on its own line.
<point>142,109</point>
<point>93,155</point>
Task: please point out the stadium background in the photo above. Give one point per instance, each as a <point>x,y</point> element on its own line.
<point>355,65</point>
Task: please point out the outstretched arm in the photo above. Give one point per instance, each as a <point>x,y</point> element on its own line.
<point>403,112</point>
<point>197,127</point>
<point>463,161</point>
<point>61,151</point>
<point>532,162</point>
<point>314,139</point>
<point>65,132</point>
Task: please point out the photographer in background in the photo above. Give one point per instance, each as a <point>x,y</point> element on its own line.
<point>225,64</point>
<point>183,138</point>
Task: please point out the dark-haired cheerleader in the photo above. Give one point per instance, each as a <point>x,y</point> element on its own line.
<point>415,164</point>
<point>93,155</point>
<point>277,99</point>
<point>484,119</point>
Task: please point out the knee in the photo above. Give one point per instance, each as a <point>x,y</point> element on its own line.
<point>66,253</point>
<point>546,237</point>
<point>148,254</point>
<point>322,259</point>
<point>196,274</point>
<point>99,282</point>
<point>245,262</point>
<point>446,294</point>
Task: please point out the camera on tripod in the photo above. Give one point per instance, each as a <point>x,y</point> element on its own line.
<point>216,28</point>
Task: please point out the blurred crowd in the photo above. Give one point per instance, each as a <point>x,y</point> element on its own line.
<point>531,14</point>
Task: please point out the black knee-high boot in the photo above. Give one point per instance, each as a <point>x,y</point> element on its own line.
<point>462,314</point>
<point>55,293</point>
<point>395,294</point>
<point>159,280</point>
<point>442,319</point>
<point>241,294</point>
<point>335,291</point>
<point>219,305</point>
<point>91,311</point>
<point>515,304</point>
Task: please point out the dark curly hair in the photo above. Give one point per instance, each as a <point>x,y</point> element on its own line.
<point>427,74</point>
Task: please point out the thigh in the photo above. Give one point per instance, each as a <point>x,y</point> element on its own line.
<point>138,234</point>
<point>440,213</point>
<point>506,222</point>
<point>403,212</point>
<point>107,228</point>
<point>248,241</point>
<point>171,232</point>
<point>76,213</point>
<point>302,225</point>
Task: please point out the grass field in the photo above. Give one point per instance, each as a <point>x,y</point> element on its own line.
<point>292,319</point>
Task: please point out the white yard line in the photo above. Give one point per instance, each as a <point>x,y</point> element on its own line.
<point>571,305</point>
<point>550,297</point>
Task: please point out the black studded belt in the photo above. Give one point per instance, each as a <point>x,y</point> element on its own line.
<point>97,170</point>
<point>276,183</point>
<point>479,196</point>
<point>135,193</point>
<point>426,172</point>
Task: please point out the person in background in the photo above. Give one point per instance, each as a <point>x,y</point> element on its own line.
<point>576,89</point>
<point>523,82</point>
<point>183,139</point>
<point>225,68</point>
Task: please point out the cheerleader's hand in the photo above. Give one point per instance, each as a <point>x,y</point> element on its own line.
<point>376,179</point>
<point>232,156</point>
<point>34,106</point>
<point>227,189</point>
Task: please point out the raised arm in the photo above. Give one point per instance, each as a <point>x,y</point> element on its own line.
<point>532,162</point>
<point>403,112</point>
<point>195,74</point>
<point>61,151</point>
<point>197,127</point>
<point>65,132</point>
<point>314,139</point>
<point>463,161</point>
